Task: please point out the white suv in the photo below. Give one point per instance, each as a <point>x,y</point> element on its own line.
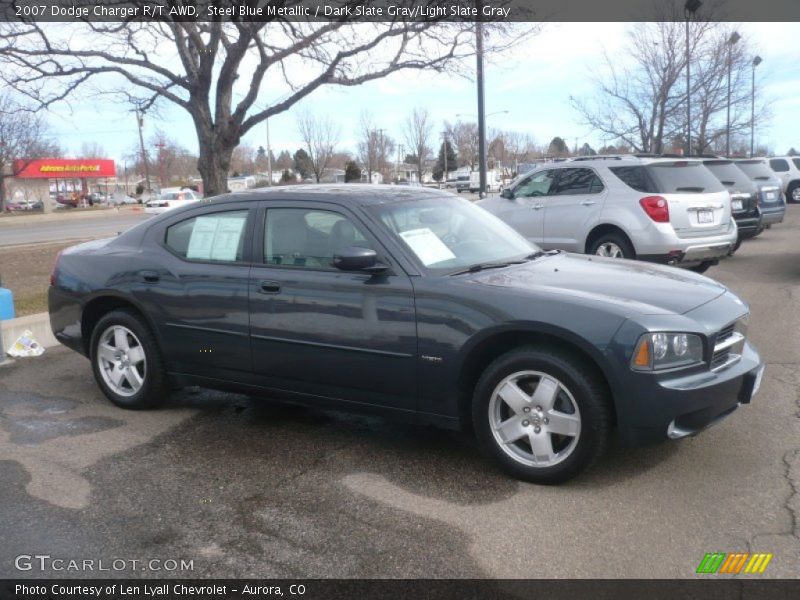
<point>787,168</point>
<point>662,210</point>
<point>170,198</point>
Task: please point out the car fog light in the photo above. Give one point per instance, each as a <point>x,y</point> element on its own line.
<point>680,344</point>
<point>660,345</point>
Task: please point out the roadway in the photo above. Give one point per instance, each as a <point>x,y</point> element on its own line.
<point>58,228</point>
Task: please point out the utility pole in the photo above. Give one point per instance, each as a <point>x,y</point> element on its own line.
<point>690,8</point>
<point>381,153</point>
<point>481,110</point>
<point>735,37</point>
<point>140,122</point>
<point>444,152</point>
<point>161,173</point>
<point>756,62</point>
<point>269,155</point>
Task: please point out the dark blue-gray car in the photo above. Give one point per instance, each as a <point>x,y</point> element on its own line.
<point>412,303</point>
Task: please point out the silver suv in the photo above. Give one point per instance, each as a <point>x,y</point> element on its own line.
<point>662,210</point>
<point>787,168</point>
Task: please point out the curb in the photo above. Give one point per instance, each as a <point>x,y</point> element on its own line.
<point>39,325</point>
<point>72,214</point>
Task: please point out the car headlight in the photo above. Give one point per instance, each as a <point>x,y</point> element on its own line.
<point>660,351</point>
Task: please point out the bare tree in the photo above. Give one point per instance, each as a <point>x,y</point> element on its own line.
<point>217,70</point>
<point>464,137</point>
<point>23,136</point>
<point>320,136</point>
<point>243,159</point>
<point>368,144</point>
<point>418,138</point>
<point>716,60</point>
<point>92,150</point>
<point>640,104</point>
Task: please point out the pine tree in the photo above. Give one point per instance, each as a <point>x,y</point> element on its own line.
<point>452,161</point>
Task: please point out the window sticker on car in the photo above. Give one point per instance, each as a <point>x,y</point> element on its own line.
<point>215,238</point>
<point>427,246</point>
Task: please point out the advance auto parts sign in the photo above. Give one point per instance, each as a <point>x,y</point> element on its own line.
<point>52,168</point>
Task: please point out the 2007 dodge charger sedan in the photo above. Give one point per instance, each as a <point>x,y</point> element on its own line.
<point>408,302</point>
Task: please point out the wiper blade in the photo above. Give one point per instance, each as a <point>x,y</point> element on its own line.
<point>484,266</point>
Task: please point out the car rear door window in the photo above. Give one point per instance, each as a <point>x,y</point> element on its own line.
<point>538,184</point>
<point>779,165</point>
<point>578,181</point>
<point>796,162</point>
<point>215,237</point>
<point>299,237</point>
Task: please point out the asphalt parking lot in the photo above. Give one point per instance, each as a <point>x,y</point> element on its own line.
<point>247,488</point>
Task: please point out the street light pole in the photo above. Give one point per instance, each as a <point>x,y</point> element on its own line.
<point>756,62</point>
<point>735,37</point>
<point>481,111</point>
<point>140,121</point>
<point>690,8</point>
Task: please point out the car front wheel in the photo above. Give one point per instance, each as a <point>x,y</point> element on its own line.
<point>126,361</point>
<point>542,414</point>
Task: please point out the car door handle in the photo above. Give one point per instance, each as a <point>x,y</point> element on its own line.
<point>587,202</point>
<point>537,206</point>
<point>150,276</point>
<point>270,287</point>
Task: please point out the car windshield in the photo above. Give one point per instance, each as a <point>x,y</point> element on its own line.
<point>447,234</point>
<point>728,174</point>
<point>756,169</point>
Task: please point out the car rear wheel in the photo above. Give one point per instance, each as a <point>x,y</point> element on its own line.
<point>612,245</point>
<point>793,193</point>
<point>542,414</point>
<point>126,361</point>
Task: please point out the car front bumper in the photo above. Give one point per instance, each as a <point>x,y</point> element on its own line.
<point>672,406</point>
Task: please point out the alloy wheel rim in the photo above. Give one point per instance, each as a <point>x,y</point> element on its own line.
<point>534,419</point>
<point>122,361</point>
<point>610,250</point>
<point>796,194</point>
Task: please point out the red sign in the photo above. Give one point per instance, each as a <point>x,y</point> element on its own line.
<point>64,168</point>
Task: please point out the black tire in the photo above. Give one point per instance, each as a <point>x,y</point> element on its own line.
<point>155,383</point>
<point>587,389</point>
<point>736,246</point>
<point>702,267</point>
<point>615,239</point>
<point>793,189</point>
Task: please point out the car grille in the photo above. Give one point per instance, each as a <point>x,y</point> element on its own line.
<point>728,345</point>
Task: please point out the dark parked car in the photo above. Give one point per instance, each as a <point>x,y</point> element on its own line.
<point>407,302</point>
<point>744,196</point>
<point>771,201</point>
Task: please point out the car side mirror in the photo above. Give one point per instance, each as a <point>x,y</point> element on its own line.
<point>354,258</point>
<point>507,193</point>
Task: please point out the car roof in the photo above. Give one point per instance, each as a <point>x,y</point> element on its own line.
<point>350,193</point>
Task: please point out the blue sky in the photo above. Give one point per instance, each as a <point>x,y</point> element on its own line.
<point>533,83</point>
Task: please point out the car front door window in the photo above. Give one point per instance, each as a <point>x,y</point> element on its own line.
<point>308,238</point>
<point>538,184</point>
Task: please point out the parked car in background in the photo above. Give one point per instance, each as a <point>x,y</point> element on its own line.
<point>661,210</point>
<point>23,205</point>
<point>413,303</point>
<point>494,181</point>
<point>169,199</point>
<point>787,168</point>
<point>462,183</point>
<point>744,196</point>
<point>770,197</point>
<point>120,199</point>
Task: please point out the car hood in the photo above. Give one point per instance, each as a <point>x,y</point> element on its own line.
<point>631,285</point>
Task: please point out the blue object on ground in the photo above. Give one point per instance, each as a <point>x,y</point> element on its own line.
<point>6,304</point>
